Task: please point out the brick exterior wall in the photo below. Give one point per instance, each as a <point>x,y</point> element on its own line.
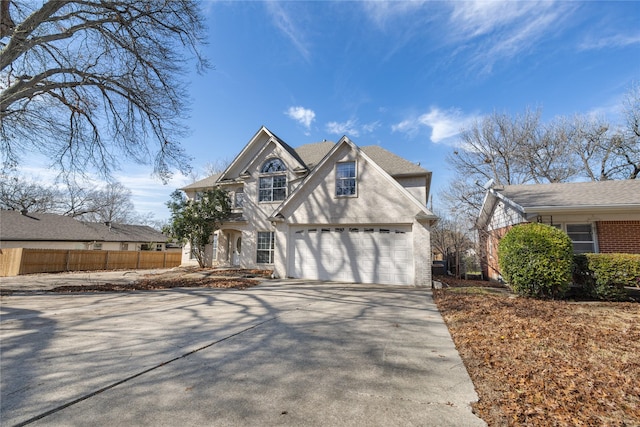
<point>618,236</point>
<point>489,243</point>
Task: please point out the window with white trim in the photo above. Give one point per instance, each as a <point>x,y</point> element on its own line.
<point>215,247</point>
<point>346,179</point>
<point>273,185</point>
<point>266,246</point>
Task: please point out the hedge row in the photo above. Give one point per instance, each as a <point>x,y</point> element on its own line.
<point>604,276</point>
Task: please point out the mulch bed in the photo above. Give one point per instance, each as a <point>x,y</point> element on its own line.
<point>153,285</point>
<point>546,363</point>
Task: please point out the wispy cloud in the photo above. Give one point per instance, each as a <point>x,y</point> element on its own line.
<point>479,32</point>
<point>302,115</point>
<point>610,42</point>
<point>351,128</point>
<point>444,124</point>
<point>284,22</point>
<point>384,12</point>
<point>491,31</point>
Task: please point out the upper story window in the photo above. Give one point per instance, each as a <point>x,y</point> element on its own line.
<point>346,179</point>
<point>273,165</point>
<point>273,186</point>
<point>238,200</point>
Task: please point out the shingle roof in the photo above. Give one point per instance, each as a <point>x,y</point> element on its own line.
<point>126,233</point>
<point>575,194</point>
<point>50,227</point>
<point>392,164</point>
<point>311,154</point>
<point>207,182</point>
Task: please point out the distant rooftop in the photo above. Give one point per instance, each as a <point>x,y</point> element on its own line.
<point>14,225</point>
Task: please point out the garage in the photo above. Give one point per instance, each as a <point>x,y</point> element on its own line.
<point>377,254</point>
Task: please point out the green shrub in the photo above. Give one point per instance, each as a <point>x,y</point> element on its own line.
<point>604,276</point>
<point>536,260</point>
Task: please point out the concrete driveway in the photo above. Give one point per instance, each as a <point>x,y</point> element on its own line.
<point>282,353</point>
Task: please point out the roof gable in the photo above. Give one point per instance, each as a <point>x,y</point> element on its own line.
<point>252,153</point>
<point>317,180</point>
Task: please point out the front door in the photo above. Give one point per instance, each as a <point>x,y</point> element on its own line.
<point>236,251</point>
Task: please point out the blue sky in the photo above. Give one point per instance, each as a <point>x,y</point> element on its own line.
<point>404,75</point>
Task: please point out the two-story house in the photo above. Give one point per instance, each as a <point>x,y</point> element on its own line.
<point>324,211</point>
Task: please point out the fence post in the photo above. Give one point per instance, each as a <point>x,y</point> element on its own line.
<point>106,260</point>
<point>138,263</point>
<point>66,267</point>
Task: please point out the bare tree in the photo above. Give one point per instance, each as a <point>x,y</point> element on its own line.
<point>630,149</point>
<point>492,149</point>
<point>18,193</point>
<point>548,157</point>
<point>83,81</point>
<point>111,203</point>
<point>596,146</point>
<point>452,236</point>
<point>75,199</point>
<point>464,195</point>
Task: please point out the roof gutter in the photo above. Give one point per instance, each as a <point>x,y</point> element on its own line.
<point>590,208</point>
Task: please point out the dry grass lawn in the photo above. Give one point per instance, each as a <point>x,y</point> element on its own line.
<point>547,363</point>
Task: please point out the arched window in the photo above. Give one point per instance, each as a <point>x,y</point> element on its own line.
<point>273,186</point>
<point>273,165</point>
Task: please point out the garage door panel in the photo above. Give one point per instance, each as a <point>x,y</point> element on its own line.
<point>354,254</point>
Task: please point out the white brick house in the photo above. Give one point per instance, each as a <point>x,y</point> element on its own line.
<point>324,211</point>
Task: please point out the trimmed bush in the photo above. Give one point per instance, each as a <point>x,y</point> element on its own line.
<point>604,276</point>
<point>536,260</point>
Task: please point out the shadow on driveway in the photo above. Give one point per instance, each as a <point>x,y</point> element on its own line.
<point>282,353</point>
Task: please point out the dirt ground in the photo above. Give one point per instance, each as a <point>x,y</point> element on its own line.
<point>546,363</point>
<point>138,280</point>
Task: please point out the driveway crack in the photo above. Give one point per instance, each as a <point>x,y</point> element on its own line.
<point>146,371</point>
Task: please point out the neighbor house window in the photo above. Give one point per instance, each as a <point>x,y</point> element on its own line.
<point>582,237</point>
<point>266,245</point>
<point>273,186</point>
<point>346,179</point>
<point>97,246</point>
<point>215,247</point>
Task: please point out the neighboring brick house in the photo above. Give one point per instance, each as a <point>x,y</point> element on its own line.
<point>602,216</point>
<point>324,211</point>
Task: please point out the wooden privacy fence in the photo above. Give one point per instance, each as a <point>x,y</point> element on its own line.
<point>17,261</point>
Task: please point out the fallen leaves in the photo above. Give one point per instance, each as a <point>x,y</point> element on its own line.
<point>159,284</point>
<point>545,363</point>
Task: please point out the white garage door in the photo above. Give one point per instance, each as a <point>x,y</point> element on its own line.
<point>355,254</point>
